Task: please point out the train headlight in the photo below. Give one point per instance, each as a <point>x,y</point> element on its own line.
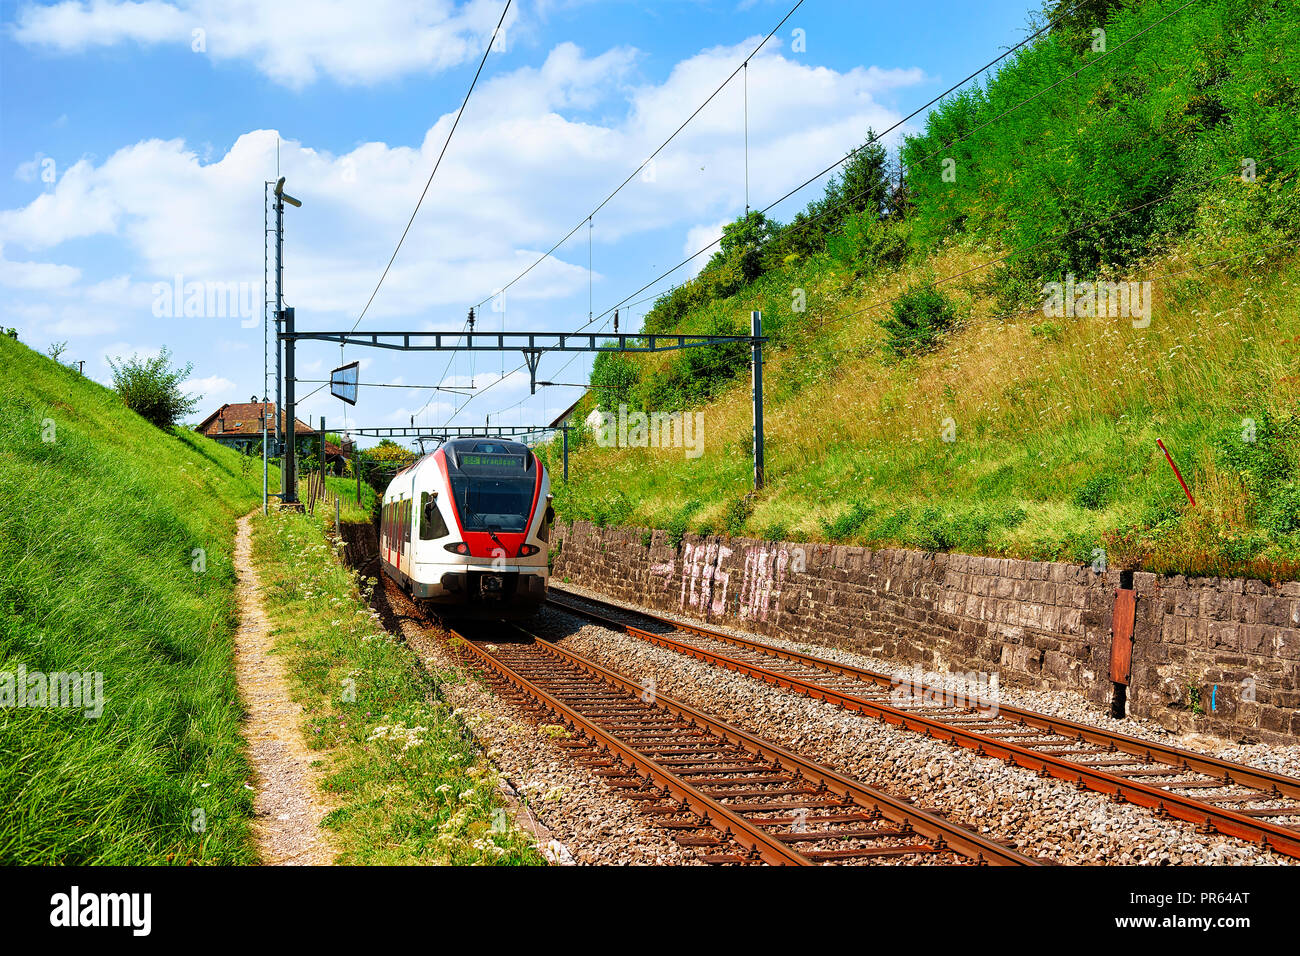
<point>460,547</point>
<point>528,550</point>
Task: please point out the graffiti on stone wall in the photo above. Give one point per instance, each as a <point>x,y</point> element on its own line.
<point>704,582</point>
<point>707,572</point>
<point>760,591</point>
<point>667,570</point>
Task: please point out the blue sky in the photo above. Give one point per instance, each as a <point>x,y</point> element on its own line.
<point>137,135</point>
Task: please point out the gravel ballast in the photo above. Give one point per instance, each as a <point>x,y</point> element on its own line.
<point>588,822</point>
<point>1040,816</point>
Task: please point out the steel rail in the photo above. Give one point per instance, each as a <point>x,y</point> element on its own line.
<point>763,845</point>
<point>929,825</point>
<point>1206,816</point>
<point>1151,751</point>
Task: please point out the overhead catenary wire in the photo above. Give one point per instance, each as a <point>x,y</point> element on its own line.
<point>649,159</point>
<point>744,67</point>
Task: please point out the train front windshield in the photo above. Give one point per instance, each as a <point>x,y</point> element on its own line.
<point>493,504</point>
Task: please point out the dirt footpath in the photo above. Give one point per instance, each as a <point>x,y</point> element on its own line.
<point>288,806</point>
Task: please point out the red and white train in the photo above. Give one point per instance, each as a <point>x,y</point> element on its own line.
<point>465,529</point>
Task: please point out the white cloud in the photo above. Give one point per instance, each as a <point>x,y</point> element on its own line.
<point>697,238</point>
<point>293,43</point>
<point>36,275</point>
<point>511,183</point>
<point>211,387</point>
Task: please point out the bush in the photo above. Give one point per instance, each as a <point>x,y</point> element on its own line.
<point>921,316</point>
<point>866,245</point>
<point>613,376</point>
<point>738,512</point>
<point>1096,493</point>
<point>848,523</point>
<point>1261,453</point>
<point>1282,513</point>
<point>151,388</point>
<point>679,523</point>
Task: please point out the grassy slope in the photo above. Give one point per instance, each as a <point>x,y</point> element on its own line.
<point>854,446</point>
<point>97,533</point>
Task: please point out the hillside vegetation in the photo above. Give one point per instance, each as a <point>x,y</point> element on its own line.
<point>115,557</point>
<point>920,393</point>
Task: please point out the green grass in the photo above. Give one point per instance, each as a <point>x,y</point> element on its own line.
<point>98,531</point>
<point>1054,452</point>
<point>408,782</point>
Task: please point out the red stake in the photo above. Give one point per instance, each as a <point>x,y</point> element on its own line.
<point>1177,473</point>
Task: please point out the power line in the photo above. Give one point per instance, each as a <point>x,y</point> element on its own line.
<point>744,64</point>
<point>446,143</point>
<point>876,139</point>
<point>873,140</point>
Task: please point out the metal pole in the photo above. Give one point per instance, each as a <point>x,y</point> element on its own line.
<point>756,331</point>
<point>321,452</point>
<point>289,464</point>
<point>565,433</point>
<point>279,308</point>
<point>265,464</point>
<point>356,469</point>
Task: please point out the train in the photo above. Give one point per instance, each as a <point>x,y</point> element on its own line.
<point>465,530</point>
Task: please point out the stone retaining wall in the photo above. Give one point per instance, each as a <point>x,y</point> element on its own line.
<point>1215,655</point>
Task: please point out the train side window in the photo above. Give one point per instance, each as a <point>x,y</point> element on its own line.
<point>432,524</point>
<point>406,520</point>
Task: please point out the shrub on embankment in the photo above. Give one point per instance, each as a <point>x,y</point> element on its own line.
<point>115,557</point>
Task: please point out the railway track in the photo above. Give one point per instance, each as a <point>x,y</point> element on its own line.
<point>731,796</point>
<point>1216,795</point>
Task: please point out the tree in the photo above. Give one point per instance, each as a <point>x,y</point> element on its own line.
<point>1075,21</point>
<point>379,464</point>
<point>613,376</point>
<point>390,453</point>
<point>56,349</point>
<point>863,184</point>
<point>744,242</point>
<point>150,387</point>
